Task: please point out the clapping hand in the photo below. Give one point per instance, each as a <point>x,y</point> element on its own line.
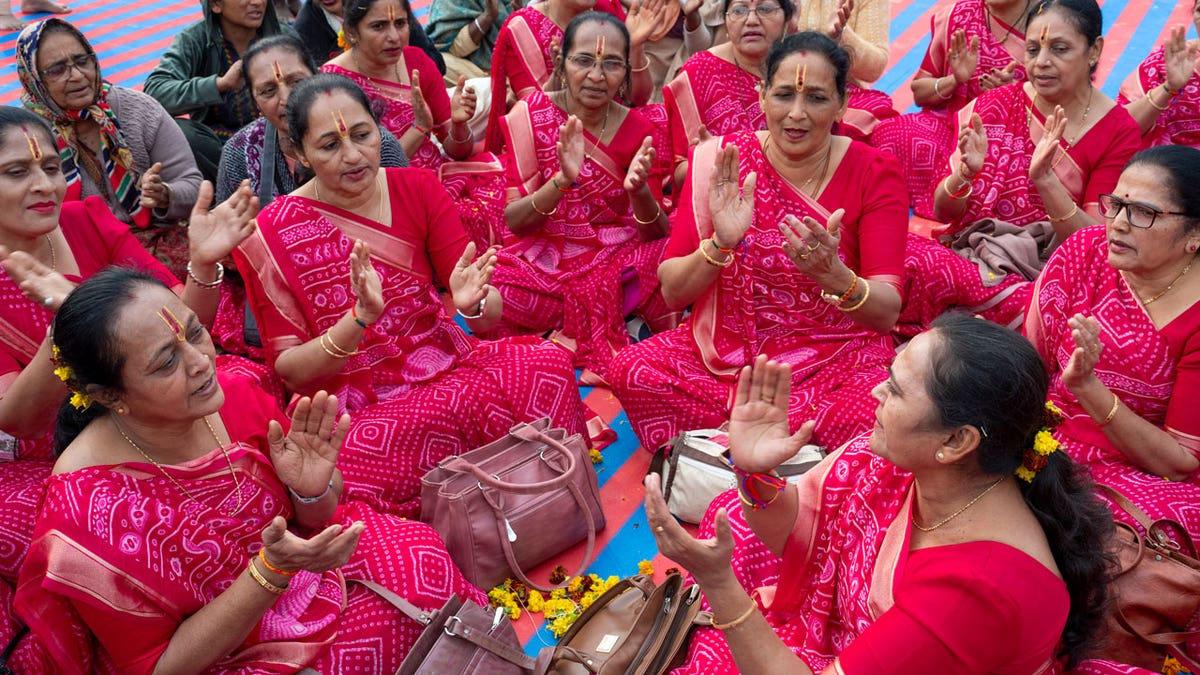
<point>732,206</point>
<point>1081,368</point>
<point>36,280</point>
<point>998,77</point>
<point>462,103</point>
<point>1042,162</point>
<point>422,115</point>
<point>838,19</point>
<point>643,19</point>
<point>813,247</point>
<point>306,456</point>
<point>328,549</point>
<point>972,146</point>
<point>470,282</point>
<point>1180,58</point>
<point>570,148</point>
<point>365,284</point>
<point>964,56</point>
<point>639,168</point>
<point>213,234</point>
<point>759,437</point>
<point>155,194</point>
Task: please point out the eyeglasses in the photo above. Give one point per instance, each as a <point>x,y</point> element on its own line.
<point>742,12</point>
<point>84,63</point>
<point>1141,216</point>
<point>607,66</point>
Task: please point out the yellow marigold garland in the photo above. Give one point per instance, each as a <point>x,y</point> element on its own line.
<point>562,607</point>
<point>596,456</point>
<point>342,43</point>
<point>1044,444</point>
<point>78,399</point>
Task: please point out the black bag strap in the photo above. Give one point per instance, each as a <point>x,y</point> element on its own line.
<point>266,175</point>
<point>10,648</point>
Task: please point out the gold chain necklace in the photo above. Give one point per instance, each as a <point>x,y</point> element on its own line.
<point>959,512</point>
<point>378,186</point>
<point>603,125</point>
<point>1156,296</point>
<point>53,259</point>
<point>236,483</point>
<point>1082,122</point>
<point>824,167</point>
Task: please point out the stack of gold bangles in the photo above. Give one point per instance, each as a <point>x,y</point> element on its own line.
<point>713,261</point>
<point>331,348</point>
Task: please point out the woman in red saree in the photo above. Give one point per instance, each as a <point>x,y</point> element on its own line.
<point>1116,319</point>
<point>914,549</point>
<point>340,277</point>
<point>157,552</point>
<point>412,103</point>
<point>523,59</point>
<point>716,91</point>
<point>1034,156</point>
<point>46,247</point>
<point>1163,94</point>
<point>589,231</point>
<point>821,294</point>
<point>975,45</point>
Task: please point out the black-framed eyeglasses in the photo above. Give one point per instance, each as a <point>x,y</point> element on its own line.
<point>84,63</point>
<point>742,12</point>
<point>1139,215</point>
<point>587,62</point>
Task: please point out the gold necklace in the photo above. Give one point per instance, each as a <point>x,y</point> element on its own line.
<point>236,483</point>
<point>378,186</point>
<point>1082,122</point>
<point>603,125</point>
<point>53,259</point>
<point>957,513</point>
<point>1147,301</point>
<point>824,167</point>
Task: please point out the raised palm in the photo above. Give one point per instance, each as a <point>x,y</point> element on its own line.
<point>306,456</point>
<point>759,435</point>
<point>213,234</point>
<point>732,206</point>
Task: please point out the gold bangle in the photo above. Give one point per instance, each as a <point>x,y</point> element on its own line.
<point>653,219</point>
<point>1074,210</point>
<point>712,620</point>
<point>638,70</point>
<point>331,348</point>
<point>533,203</point>
<point>1150,99</point>
<point>1111,413</point>
<point>262,555</point>
<point>858,305</point>
<point>962,196</point>
<point>712,261</point>
<point>262,581</point>
<point>747,503</point>
<point>839,300</point>
<point>469,139</point>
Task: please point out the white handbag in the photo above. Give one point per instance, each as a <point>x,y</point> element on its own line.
<point>695,468</point>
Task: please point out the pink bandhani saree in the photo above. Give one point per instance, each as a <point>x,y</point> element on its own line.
<point>940,280</point>
<point>1179,124</point>
<point>419,388</point>
<point>713,93</point>
<point>521,63</point>
<point>923,141</point>
<point>1155,371</point>
<point>587,267</point>
<point>762,304</point>
<point>476,184</point>
<point>122,556</point>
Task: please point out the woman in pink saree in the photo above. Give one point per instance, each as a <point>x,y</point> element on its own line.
<point>1032,159</point>
<point>406,88</point>
<point>1163,94</point>
<point>340,277</point>
<point>589,231</point>
<point>157,552</point>
<point>914,549</point>
<point>805,265</point>
<point>716,91</point>
<point>1117,320</point>
<point>975,45</point>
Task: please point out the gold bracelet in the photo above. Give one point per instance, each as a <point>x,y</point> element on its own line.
<point>747,503</point>
<point>652,220</point>
<point>262,581</point>
<point>1111,413</point>
<point>962,196</point>
<point>638,70</point>
<point>533,203</point>
<point>858,305</point>
<point>331,348</point>
<point>262,555</point>
<point>712,261</point>
<point>469,139</point>
<point>1150,99</point>
<point>712,620</point>
<point>1074,210</point>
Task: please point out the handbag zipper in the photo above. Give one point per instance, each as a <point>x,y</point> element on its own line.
<point>655,631</point>
<point>690,599</point>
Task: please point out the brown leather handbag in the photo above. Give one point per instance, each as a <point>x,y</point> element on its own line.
<point>1156,592</point>
<point>634,628</point>
<point>461,638</point>
<point>514,503</point>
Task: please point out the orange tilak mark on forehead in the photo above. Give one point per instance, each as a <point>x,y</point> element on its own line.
<point>278,72</point>
<point>172,322</point>
<point>600,47</point>
<point>1045,37</point>
<point>801,77</point>
<point>35,148</point>
<point>340,122</point>
<point>391,13</point>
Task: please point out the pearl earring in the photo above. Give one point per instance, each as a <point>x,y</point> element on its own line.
<point>940,455</point>
<point>121,410</point>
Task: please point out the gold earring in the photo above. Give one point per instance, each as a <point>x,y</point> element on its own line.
<point>940,455</point>
<point>121,410</point>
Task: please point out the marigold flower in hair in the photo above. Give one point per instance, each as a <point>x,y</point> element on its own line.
<point>342,43</point>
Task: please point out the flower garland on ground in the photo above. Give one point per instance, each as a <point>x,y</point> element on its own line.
<point>564,605</point>
<point>1044,444</point>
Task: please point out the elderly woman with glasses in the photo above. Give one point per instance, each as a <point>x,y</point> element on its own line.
<point>716,91</point>
<point>1116,317</point>
<point>114,142</point>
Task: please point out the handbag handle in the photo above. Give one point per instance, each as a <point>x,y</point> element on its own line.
<point>511,558</point>
<point>1153,528</point>
<point>459,465</point>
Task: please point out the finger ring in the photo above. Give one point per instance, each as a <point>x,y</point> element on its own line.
<point>660,528</point>
<point>48,300</point>
<point>803,256</point>
<point>813,247</point>
<point>769,401</point>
